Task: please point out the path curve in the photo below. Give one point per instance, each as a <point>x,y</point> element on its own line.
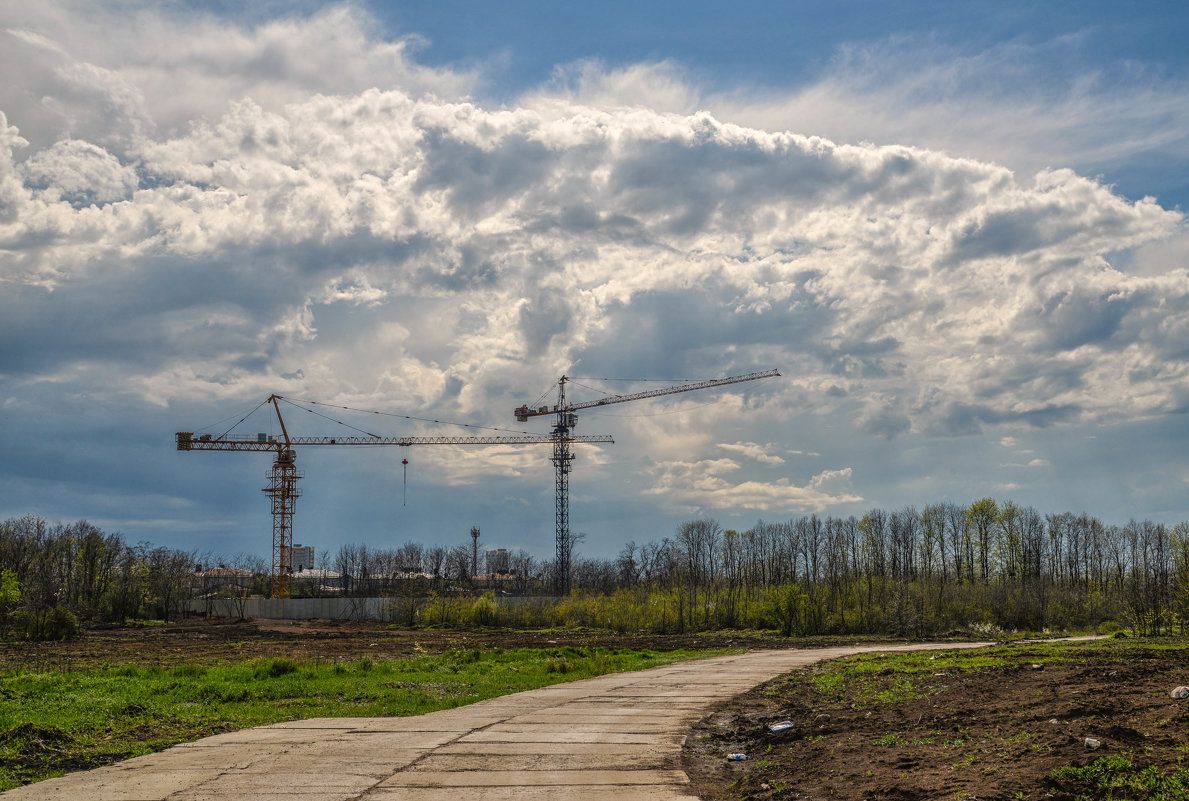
<point>617,736</point>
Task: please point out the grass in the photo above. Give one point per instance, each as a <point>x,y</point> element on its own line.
<point>855,678</point>
<point>55,722</point>
<point>1118,777</point>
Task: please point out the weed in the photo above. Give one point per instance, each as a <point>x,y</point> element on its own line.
<point>275,667</point>
<point>964,762</point>
<point>1117,776</point>
<point>187,670</point>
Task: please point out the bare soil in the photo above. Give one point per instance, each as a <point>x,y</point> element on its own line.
<point>989,733</point>
<point>221,641</point>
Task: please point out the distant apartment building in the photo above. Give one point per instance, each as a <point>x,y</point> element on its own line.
<point>498,561</point>
<point>301,557</point>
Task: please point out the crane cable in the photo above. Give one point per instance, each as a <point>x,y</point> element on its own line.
<point>640,380</point>
<point>245,417</point>
<point>331,419</point>
<point>402,416</point>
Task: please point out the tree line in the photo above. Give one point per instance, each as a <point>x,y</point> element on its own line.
<point>54,575</point>
<point>909,572</point>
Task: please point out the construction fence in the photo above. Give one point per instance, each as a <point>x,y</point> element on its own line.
<point>387,610</point>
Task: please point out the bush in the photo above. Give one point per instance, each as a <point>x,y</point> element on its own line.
<point>484,612</point>
<point>42,625</point>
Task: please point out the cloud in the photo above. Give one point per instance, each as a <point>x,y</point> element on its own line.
<point>754,451</point>
<point>1006,103</point>
<point>202,212</point>
<point>935,290</point>
<point>702,486</point>
<point>81,173</point>
<point>115,73</point>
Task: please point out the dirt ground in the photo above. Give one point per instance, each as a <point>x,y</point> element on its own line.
<point>990,733</point>
<point>202,641</point>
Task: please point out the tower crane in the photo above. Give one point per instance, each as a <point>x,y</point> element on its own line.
<point>564,422</point>
<point>282,481</point>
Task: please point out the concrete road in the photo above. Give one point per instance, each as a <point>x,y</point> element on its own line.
<point>612,737</point>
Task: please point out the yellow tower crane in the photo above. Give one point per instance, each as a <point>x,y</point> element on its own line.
<point>566,419</point>
<point>282,480</point>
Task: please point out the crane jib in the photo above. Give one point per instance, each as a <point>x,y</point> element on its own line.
<point>567,420</point>
<point>186,441</point>
<point>522,413</point>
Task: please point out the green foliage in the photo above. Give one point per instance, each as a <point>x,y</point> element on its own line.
<point>786,609</point>
<point>56,623</point>
<point>10,598</point>
<point>484,612</point>
<point>274,668</point>
<point>949,568</point>
<point>10,590</point>
<point>186,671</point>
<point>1118,777</point>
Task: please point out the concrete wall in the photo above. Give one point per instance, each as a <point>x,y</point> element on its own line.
<point>302,608</point>
<point>383,609</point>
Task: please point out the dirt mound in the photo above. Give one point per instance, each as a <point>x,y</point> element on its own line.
<point>997,732</point>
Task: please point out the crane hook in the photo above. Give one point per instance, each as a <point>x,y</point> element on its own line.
<point>405,482</point>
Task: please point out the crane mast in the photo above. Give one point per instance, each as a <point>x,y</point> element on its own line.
<point>283,491</point>
<point>282,486</point>
<point>565,421</point>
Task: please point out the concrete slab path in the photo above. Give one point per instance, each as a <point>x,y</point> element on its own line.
<point>613,737</point>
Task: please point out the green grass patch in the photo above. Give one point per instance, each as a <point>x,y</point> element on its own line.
<point>53,723</point>
<point>1119,777</point>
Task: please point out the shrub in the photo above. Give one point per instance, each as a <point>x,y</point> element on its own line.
<point>57,623</point>
<point>484,611</point>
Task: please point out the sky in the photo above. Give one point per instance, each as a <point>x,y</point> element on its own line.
<point>956,229</point>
